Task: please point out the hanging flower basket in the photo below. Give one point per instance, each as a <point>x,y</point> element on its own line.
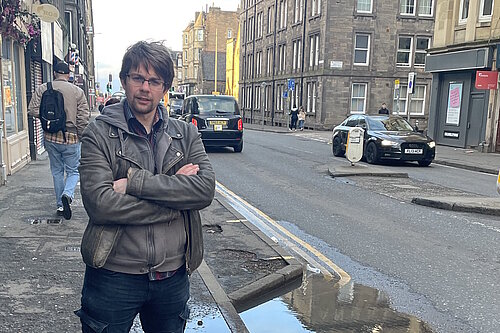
<point>18,24</point>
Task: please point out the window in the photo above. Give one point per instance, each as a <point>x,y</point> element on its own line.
<point>407,7</point>
<point>358,98</point>
<point>259,24</point>
<point>229,33</point>
<point>185,38</point>
<point>311,97</point>
<point>315,7</point>
<point>361,49</point>
<point>199,35</point>
<point>269,61</point>
<point>283,14</point>
<point>179,75</point>
<point>281,58</point>
<point>259,64</point>
<point>364,6</point>
<point>421,50</point>
<point>251,21</point>
<point>269,19</point>
<point>294,96</point>
<point>485,10</point>
<point>417,100</point>
<point>314,51</point>
<point>279,97</point>
<point>404,51</point>
<point>297,14</point>
<point>257,97</point>
<point>464,11</point>
<point>297,50</point>
<point>425,7</point>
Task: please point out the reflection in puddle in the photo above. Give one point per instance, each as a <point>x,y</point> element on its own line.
<point>319,305</point>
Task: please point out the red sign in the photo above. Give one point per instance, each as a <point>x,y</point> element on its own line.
<point>486,80</point>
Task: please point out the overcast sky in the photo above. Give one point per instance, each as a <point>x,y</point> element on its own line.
<point>120,23</point>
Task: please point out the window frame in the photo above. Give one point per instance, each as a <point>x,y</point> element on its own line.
<point>407,5</point>
<point>431,14</point>
<point>461,19</point>
<point>367,50</point>
<point>364,11</point>
<point>410,51</point>
<point>365,85</point>
<point>482,16</point>
<point>418,51</point>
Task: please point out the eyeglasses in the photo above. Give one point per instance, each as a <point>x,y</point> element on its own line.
<point>137,80</point>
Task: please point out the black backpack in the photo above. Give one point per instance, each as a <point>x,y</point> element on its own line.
<point>52,114</point>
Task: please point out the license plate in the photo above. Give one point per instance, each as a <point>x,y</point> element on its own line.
<point>414,151</point>
<point>217,128</point>
<point>218,122</point>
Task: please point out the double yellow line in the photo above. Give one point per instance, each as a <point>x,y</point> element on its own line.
<point>344,277</point>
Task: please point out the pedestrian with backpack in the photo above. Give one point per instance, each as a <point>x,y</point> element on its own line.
<point>64,113</point>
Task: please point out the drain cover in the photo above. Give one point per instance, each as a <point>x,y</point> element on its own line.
<point>72,249</point>
<point>54,221</point>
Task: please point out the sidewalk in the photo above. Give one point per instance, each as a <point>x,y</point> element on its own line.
<point>42,269</point>
<point>468,159</point>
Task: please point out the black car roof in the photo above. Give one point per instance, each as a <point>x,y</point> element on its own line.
<point>213,96</point>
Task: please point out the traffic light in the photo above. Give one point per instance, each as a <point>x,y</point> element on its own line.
<point>108,87</point>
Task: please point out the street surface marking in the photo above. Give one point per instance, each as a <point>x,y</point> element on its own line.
<point>233,198</point>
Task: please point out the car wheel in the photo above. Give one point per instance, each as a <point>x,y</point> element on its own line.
<point>337,147</point>
<point>424,163</point>
<point>371,153</point>
<point>238,148</point>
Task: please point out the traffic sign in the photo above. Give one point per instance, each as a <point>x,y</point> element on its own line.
<point>396,84</point>
<point>291,84</point>
<point>285,94</point>
<point>411,82</point>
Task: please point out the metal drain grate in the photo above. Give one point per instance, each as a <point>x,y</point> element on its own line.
<point>72,249</point>
<point>49,221</point>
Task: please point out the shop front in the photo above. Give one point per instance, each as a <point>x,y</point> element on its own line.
<point>13,108</point>
<point>459,104</point>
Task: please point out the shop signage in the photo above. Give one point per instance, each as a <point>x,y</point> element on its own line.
<point>453,135</point>
<point>486,80</point>
<point>46,12</point>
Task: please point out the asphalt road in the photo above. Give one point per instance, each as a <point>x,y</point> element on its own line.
<point>440,266</point>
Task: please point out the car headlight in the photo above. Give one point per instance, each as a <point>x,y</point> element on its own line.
<point>431,144</point>
<point>389,143</point>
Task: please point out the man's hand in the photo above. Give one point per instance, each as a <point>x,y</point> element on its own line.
<point>188,169</point>
<point>120,185</point>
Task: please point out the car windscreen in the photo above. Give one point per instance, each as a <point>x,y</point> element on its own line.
<point>388,124</point>
<point>176,102</point>
<point>208,104</point>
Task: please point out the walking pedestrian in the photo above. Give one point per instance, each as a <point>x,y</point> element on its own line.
<point>144,178</point>
<point>301,117</point>
<point>294,112</point>
<point>383,109</point>
<point>63,147</point>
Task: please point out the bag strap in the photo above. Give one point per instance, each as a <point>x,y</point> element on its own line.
<point>49,86</point>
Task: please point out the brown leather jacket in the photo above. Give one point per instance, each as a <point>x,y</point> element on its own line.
<point>110,152</point>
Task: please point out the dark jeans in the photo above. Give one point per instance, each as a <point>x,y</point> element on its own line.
<point>293,124</point>
<point>111,300</point>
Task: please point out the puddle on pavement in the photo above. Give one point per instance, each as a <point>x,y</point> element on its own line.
<point>319,305</point>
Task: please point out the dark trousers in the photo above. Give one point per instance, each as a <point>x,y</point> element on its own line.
<point>293,123</point>
<point>111,300</point>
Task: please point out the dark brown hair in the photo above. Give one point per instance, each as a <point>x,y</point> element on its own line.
<point>152,55</point>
